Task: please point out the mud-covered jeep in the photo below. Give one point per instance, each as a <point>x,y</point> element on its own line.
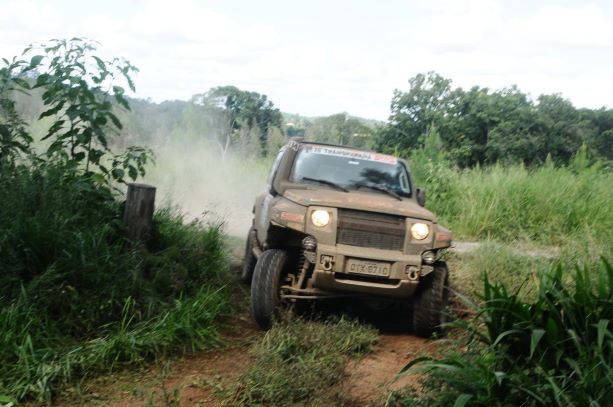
<point>335,221</point>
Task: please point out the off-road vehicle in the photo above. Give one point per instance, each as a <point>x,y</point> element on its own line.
<point>335,221</point>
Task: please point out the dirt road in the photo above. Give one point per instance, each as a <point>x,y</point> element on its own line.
<point>204,378</point>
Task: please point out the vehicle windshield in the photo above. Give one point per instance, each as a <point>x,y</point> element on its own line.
<point>350,169</point>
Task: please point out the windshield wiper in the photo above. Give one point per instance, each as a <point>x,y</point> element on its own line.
<point>326,182</point>
<point>378,188</point>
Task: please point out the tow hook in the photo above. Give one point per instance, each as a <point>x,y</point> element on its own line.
<point>326,262</point>
<point>413,273</point>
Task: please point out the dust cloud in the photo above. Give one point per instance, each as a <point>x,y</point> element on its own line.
<point>201,182</point>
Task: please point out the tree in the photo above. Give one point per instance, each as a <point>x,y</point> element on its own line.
<point>340,129</point>
<point>560,126</point>
<point>481,127</point>
<point>237,109</point>
<point>427,102</point>
<point>597,130</point>
<point>513,134</point>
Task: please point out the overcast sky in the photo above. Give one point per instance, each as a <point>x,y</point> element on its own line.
<point>320,57</point>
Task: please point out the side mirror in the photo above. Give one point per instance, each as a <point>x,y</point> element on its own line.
<point>420,194</point>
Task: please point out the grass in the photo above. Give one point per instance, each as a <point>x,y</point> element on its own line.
<point>516,265</point>
<point>301,361</point>
<point>540,289</point>
<point>554,349</point>
<point>546,205</point>
<point>77,300</point>
<point>504,265</point>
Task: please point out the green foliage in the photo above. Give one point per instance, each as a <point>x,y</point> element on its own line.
<point>482,127</point>
<point>555,350</point>
<point>340,129</point>
<point>14,138</point>
<point>548,205</point>
<point>80,94</point>
<point>301,361</point>
<point>76,300</point>
<point>236,109</point>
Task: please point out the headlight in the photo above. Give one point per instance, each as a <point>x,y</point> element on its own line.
<point>320,218</point>
<point>428,257</point>
<point>420,231</point>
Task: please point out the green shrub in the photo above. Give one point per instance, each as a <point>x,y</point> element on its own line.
<point>555,350</point>
<point>76,298</point>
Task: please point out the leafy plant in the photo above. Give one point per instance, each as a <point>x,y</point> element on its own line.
<point>556,350</point>
<point>14,138</point>
<point>80,93</point>
<point>79,89</point>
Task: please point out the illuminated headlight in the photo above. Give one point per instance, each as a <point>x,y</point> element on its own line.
<point>420,231</point>
<point>320,218</point>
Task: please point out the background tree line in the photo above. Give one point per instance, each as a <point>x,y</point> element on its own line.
<point>471,127</point>
<point>479,126</point>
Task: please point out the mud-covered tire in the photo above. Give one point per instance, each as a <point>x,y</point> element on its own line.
<point>270,268</point>
<point>249,262</point>
<point>430,302</point>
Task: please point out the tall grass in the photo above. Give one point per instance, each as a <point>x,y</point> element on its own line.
<point>76,299</point>
<point>548,205</point>
<point>554,350</point>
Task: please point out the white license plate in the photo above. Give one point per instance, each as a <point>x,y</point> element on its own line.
<point>371,268</point>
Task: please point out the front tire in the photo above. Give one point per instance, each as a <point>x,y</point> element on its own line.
<point>249,261</point>
<point>430,302</point>
<point>270,268</point>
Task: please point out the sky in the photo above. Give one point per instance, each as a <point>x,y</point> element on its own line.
<point>321,57</point>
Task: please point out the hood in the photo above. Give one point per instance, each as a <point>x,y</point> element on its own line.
<point>359,200</point>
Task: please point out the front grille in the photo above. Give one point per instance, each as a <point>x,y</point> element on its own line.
<point>368,229</point>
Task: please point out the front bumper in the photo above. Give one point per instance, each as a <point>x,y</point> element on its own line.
<point>335,276</point>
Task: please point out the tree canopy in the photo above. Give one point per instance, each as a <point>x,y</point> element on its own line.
<point>480,126</point>
<point>239,109</point>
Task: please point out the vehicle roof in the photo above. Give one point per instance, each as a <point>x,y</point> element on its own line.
<point>317,143</point>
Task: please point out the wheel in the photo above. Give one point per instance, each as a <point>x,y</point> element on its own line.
<point>270,268</point>
<point>430,302</point>
<point>248,261</point>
